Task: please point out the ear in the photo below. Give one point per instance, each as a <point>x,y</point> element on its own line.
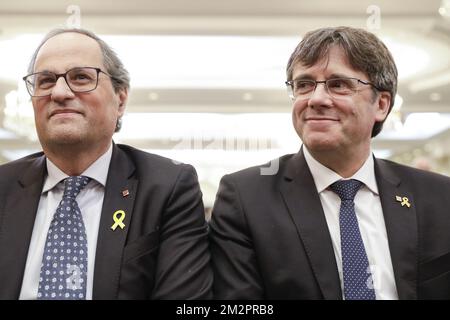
<point>382,104</point>
<point>123,97</point>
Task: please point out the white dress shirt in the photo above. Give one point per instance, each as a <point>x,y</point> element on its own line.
<point>90,201</point>
<point>370,219</point>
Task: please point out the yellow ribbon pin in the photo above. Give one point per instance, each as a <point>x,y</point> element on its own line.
<point>403,201</point>
<point>118,221</point>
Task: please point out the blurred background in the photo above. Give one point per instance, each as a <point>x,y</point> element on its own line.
<point>207,77</point>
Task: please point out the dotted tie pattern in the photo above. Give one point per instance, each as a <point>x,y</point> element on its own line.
<point>355,265</point>
<point>64,263</point>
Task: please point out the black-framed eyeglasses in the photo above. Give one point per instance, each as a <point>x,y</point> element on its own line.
<point>337,87</point>
<point>79,79</point>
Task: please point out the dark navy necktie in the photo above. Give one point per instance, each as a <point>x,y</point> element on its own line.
<point>358,283</point>
<point>64,262</point>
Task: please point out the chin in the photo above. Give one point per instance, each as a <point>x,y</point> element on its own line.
<point>321,144</point>
<point>66,141</point>
<point>66,137</point>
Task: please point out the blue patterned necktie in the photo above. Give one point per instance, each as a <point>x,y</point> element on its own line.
<point>355,265</point>
<point>64,263</point>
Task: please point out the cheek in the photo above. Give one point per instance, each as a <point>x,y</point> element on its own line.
<point>39,110</point>
<point>98,107</point>
<point>368,115</point>
<point>298,107</point>
<point>297,112</point>
<point>361,123</point>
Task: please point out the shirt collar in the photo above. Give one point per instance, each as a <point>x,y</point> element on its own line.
<point>97,171</point>
<point>324,177</point>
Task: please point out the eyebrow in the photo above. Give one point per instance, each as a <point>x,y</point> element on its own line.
<point>67,69</point>
<point>45,70</point>
<point>308,76</point>
<point>304,77</point>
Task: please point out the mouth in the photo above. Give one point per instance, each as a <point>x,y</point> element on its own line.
<point>320,119</point>
<point>64,113</point>
<point>321,123</point>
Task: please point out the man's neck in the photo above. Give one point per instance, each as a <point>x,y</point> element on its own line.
<point>74,161</point>
<point>344,162</point>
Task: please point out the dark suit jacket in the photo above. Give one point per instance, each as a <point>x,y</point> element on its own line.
<point>270,240</point>
<point>162,253</point>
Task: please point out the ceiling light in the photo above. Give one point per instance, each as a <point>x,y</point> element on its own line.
<point>444,9</point>
<point>435,96</point>
<point>153,96</point>
<point>247,96</point>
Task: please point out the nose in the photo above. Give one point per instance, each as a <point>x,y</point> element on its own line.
<point>320,96</point>
<point>61,90</point>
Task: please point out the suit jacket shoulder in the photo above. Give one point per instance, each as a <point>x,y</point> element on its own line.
<point>30,165</point>
<point>271,171</point>
<point>394,170</point>
<point>148,163</point>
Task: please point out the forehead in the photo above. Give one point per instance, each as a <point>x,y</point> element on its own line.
<point>335,62</point>
<point>68,50</point>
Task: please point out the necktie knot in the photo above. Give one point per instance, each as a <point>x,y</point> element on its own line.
<point>346,189</point>
<point>73,185</point>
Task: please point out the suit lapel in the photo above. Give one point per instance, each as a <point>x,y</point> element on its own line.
<point>401,227</point>
<point>110,243</point>
<point>301,198</point>
<point>21,201</point>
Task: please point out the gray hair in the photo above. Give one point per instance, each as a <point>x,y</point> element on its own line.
<point>364,51</point>
<point>120,78</point>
